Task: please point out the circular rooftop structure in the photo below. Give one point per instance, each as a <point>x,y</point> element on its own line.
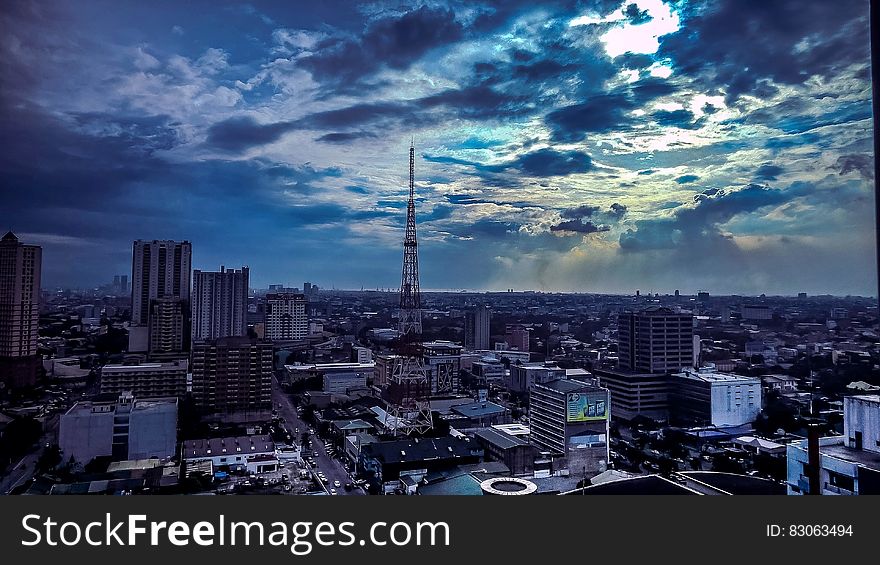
<point>508,486</point>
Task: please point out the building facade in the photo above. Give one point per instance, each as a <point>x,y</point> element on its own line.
<point>232,376</point>
<point>655,340</point>
<point>636,394</point>
<point>517,337</point>
<point>20,273</point>
<point>146,380</point>
<point>707,397</point>
<point>286,316</point>
<point>220,301</point>
<point>476,328</point>
<point>442,366</point>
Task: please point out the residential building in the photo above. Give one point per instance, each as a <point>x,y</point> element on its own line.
<point>847,464</point>
<point>160,270</point>
<point>517,337</point>
<point>20,273</point>
<point>707,397</point>
<point>286,316</point>
<point>655,340</point>
<point>123,429</point>
<point>220,302</point>
<point>476,328</point>
<point>146,380</point>
<point>232,376</point>
<point>570,420</point>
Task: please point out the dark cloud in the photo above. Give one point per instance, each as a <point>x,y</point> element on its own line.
<point>863,163</point>
<point>684,179</point>
<point>647,172</point>
<point>584,211</point>
<point>617,210</point>
<point>540,163</point>
<point>738,45</point>
<point>578,226</point>
<point>345,137</point>
<point>768,171</point>
<point>543,70</point>
<point>636,16</point>
<point>599,114</point>
<point>683,119</point>
<point>243,132</point>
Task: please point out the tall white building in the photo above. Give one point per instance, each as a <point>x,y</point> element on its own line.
<point>20,268</point>
<point>219,302</point>
<point>476,328</point>
<point>286,316</point>
<point>160,270</point>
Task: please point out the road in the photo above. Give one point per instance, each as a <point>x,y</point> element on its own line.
<point>24,469</point>
<point>332,468</point>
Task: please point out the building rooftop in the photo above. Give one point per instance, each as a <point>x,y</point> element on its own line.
<point>419,449</point>
<point>479,409</point>
<point>217,447</point>
<point>513,429</point>
<point>499,438</point>
<point>713,377</point>
<point>569,385</point>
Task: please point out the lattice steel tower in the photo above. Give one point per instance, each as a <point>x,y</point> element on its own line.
<point>410,316</point>
<point>409,407</point>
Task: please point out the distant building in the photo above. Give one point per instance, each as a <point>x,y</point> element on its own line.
<point>517,454</point>
<point>361,354</point>
<point>524,376</point>
<point>517,337</point>
<point>123,429</point>
<point>220,302</point>
<point>442,360</point>
<point>756,312</point>
<point>839,313</point>
<point>847,464</point>
<point>476,328</point>
<point>710,398</point>
<point>489,369</point>
<point>570,420</point>
<point>339,378</point>
<point>286,317</point>
<point>636,394</point>
<point>20,272</point>
<point>232,376</point>
<point>168,337</point>
<point>147,380</point>
<point>161,269</point>
<point>655,340</point>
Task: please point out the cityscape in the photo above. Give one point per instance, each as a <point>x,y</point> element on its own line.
<point>507,285</point>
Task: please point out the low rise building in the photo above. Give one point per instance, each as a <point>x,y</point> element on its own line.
<point>146,380</point>
<point>721,399</point>
<point>254,454</point>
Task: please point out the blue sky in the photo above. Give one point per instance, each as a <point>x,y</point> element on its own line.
<point>572,146</point>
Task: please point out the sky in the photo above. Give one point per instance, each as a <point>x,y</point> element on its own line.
<point>591,146</point>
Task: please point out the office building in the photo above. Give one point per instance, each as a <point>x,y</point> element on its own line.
<point>126,428</point>
<point>120,284</point>
<point>844,465</point>
<point>232,377</point>
<point>286,317</point>
<point>524,376</point>
<point>570,421</point>
<point>146,380</point>
<point>442,362</point>
<point>160,270</point>
<point>20,270</point>
<point>707,397</point>
<point>476,328</point>
<point>636,394</point>
<point>655,340</point>
<point>517,337</point>
<point>219,303</point>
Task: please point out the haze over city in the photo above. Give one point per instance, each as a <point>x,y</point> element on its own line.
<point>577,146</point>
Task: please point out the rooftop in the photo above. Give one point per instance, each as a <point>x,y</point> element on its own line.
<point>419,449</point>
<point>569,385</point>
<point>216,447</point>
<point>713,377</point>
<point>479,409</point>
<point>499,438</point>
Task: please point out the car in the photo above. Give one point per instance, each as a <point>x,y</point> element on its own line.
<point>332,491</point>
<point>337,484</point>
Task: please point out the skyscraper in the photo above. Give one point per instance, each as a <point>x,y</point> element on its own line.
<point>219,303</point>
<point>160,269</point>
<point>655,340</point>
<point>20,268</point>
<point>233,375</point>
<point>476,328</point>
<point>286,316</point>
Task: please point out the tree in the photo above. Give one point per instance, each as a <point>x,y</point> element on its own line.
<point>50,459</point>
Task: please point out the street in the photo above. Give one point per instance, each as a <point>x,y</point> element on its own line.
<point>332,468</point>
<point>24,468</point>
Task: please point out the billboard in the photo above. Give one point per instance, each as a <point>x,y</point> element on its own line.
<point>586,406</point>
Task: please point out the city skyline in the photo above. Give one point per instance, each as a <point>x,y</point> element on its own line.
<point>601,147</point>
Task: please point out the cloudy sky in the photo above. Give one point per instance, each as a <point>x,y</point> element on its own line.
<point>585,146</point>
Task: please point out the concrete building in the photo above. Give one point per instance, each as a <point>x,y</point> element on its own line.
<point>517,337</point>
<point>232,376</point>
<point>20,273</point>
<point>160,269</point>
<point>847,464</point>
<point>655,340</point>
<point>123,429</point>
<point>524,376</point>
<point>476,328</point>
<point>489,369</point>
<point>361,354</point>
<point>339,378</point>
<point>220,302</point>
<point>168,337</point>
<point>707,397</point>
<point>756,312</point>
<point>570,420</point>
<point>286,316</point>
<point>442,360</point>
<point>636,394</point>
<point>254,454</point>
<point>480,414</point>
<point>146,380</point>
<point>516,453</point>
